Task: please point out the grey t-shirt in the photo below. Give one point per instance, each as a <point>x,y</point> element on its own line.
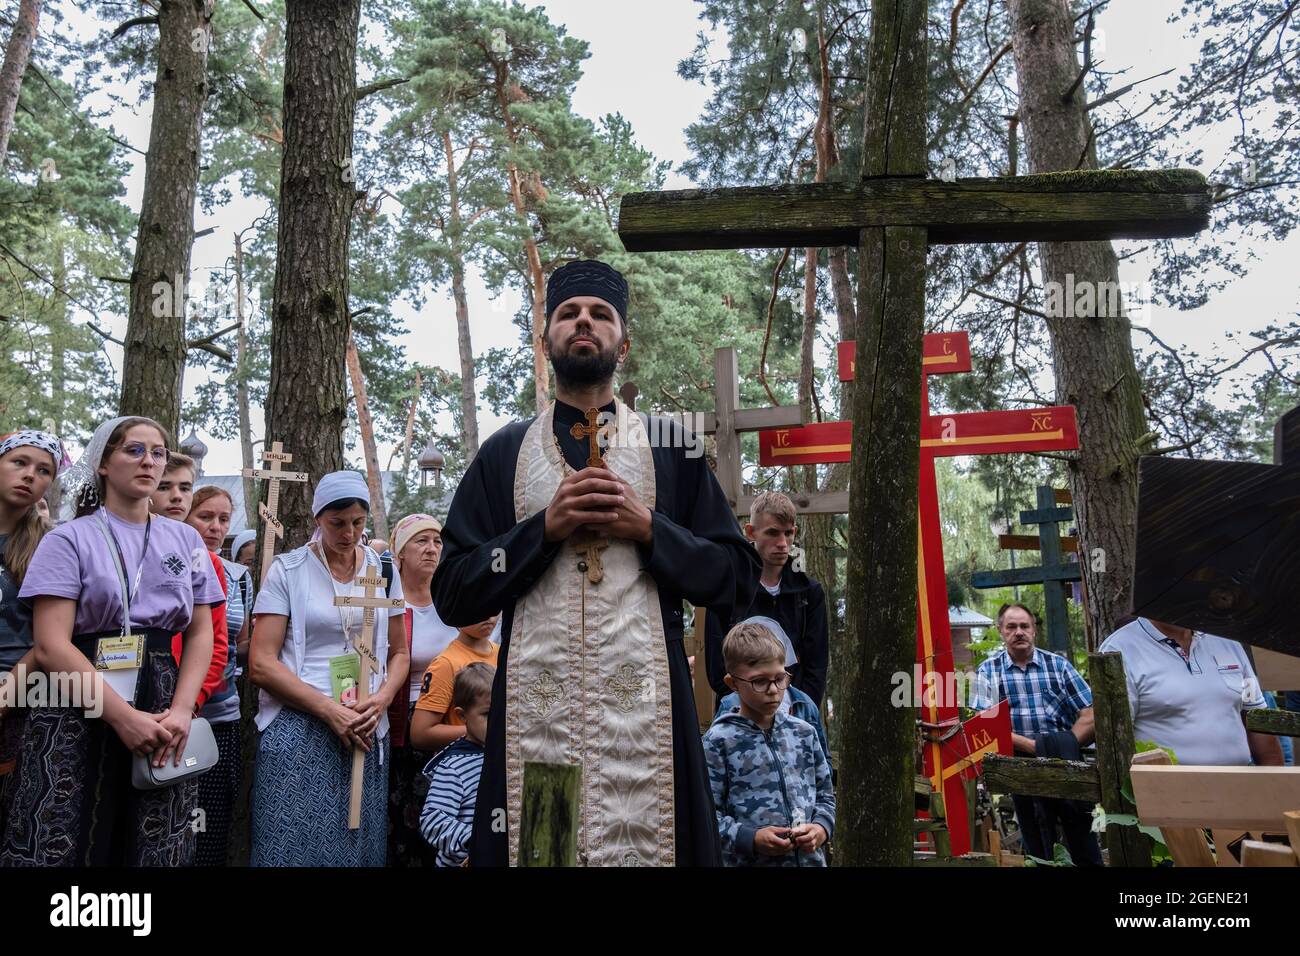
<point>15,618</point>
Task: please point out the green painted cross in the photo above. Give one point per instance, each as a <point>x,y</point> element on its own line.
<point>1053,574</point>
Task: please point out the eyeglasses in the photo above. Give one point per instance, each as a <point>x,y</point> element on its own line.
<point>762,685</point>
<point>137,451</point>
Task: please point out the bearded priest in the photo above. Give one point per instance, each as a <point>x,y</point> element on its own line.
<point>588,535</point>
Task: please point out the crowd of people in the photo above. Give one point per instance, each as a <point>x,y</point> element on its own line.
<point>544,622</point>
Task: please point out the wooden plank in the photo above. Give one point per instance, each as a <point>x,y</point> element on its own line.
<point>776,416</point>
<point>1222,855</point>
<point>1217,545</point>
<point>1043,514</point>
<point>1077,205</point>
<point>1291,819</point>
<point>1265,720</point>
<point>820,503</point>
<point>1042,777</point>
<point>1031,575</point>
<point>1030,542</point>
<point>1241,798</point>
<point>1276,671</point>
<point>1257,853</point>
<point>700,679</point>
<point>1187,845</point>
<point>726,391</point>
<point>1063,496</point>
<point>548,828</point>
<point>1125,846</point>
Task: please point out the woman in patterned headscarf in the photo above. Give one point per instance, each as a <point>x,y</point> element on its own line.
<point>29,462</point>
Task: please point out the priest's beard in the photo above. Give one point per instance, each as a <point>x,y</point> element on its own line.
<point>583,371</point>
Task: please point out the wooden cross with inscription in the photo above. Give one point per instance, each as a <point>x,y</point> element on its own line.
<point>1052,574</point>
<point>945,435</point>
<point>365,646</point>
<point>270,509</point>
<point>892,214</point>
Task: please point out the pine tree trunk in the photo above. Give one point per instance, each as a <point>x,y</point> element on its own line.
<point>307,404</point>
<point>468,402</point>
<point>536,277</point>
<point>17,53</point>
<point>241,390</point>
<point>877,752</point>
<point>374,480</point>
<point>153,363</point>
<point>1092,353</point>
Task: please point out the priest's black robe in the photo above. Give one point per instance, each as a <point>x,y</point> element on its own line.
<point>697,554</point>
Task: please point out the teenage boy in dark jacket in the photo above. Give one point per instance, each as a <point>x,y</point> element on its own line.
<point>790,597</point>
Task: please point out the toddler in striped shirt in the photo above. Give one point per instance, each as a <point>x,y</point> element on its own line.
<point>448,815</point>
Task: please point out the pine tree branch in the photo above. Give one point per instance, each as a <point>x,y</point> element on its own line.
<point>1006,48</point>
<point>256,12</point>
<point>1103,100</point>
<point>1068,95</point>
<point>1007,302</point>
<point>209,339</point>
<point>134,22</point>
<point>216,350</point>
<point>76,114</point>
<point>380,85</point>
<point>100,332</point>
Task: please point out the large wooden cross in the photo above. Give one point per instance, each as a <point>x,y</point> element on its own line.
<point>1218,543</point>
<point>269,510</point>
<point>1052,574</point>
<point>892,214</point>
<point>365,646</point>
<point>945,435</point>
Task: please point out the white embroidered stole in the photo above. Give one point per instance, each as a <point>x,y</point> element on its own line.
<point>587,675</point>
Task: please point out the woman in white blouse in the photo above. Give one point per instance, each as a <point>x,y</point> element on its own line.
<point>304,660</point>
<point>417,548</point>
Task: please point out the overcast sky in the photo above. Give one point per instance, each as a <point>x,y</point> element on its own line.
<point>635,47</point>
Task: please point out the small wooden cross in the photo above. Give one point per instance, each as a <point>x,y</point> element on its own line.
<point>365,646</point>
<point>269,509</point>
<point>586,542</point>
<point>591,431</point>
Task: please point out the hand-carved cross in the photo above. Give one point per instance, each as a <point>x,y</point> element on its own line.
<point>590,431</point>
<point>269,510</point>
<point>365,647</point>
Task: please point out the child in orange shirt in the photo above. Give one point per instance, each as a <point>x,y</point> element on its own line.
<point>434,724</point>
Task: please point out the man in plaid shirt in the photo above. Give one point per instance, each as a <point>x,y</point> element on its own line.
<point>1051,716</point>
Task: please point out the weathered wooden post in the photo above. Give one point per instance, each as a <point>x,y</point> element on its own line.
<point>1126,845</point>
<point>548,832</point>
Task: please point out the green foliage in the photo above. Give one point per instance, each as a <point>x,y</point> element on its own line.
<point>62,225</point>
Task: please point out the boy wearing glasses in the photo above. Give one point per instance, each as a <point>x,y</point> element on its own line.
<point>771,782</point>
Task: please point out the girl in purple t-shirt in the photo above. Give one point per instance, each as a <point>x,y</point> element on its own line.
<point>113,586</point>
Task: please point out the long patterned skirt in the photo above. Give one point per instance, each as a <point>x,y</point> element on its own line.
<point>216,801</point>
<point>71,798</point>
<point>301,788</point>
<point>407,788</point>
<point>11,735</point>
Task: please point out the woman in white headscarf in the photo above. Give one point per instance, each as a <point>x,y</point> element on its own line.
<point>304,659</point>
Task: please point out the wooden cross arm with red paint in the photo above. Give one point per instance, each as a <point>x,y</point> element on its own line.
<point>963,433</point>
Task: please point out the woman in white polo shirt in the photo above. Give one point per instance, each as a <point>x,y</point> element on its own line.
<point>1187,692</point>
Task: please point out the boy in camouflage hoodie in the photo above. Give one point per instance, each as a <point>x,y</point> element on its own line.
<point>771,782</point>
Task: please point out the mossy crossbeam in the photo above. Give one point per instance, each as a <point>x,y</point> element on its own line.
<point>1069,206</point>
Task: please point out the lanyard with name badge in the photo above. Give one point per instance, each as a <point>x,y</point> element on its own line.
<point>120,658</point>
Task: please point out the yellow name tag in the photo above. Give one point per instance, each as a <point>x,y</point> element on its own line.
<point>119,653</point>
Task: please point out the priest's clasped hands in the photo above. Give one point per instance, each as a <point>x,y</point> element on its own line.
<point>598,500</point>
